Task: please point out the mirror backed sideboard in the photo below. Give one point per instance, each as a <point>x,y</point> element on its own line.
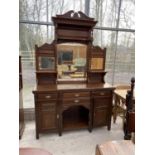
<point>71,92</point>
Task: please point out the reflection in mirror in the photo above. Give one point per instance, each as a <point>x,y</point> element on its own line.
<point>97,63</point>
<point>46,63</point>
<point>71,61</point>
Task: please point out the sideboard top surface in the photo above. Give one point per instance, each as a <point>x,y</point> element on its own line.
<point>61,87</point>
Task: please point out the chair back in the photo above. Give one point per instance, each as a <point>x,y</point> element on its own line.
<point>129,124</point>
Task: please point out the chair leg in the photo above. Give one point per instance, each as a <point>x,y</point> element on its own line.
<point>114,115</point>
<point>127,136</point>
<point>115,109</point>
<point>123,118</point>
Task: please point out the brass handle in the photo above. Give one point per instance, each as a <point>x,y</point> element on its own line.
<point>76,101</point>
<point>57,116</point>
<point>48,96</point>
<point>76,95</point>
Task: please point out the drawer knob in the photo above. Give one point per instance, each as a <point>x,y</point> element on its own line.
<point>76,95</point>
<point>76,101</point>
<point>57,116</point>
<point>102,93</point>
<point>48,96</point>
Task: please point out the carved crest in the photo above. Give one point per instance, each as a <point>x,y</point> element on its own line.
<point>46,46</point>
<point>97,49</point>
<point>75,15</point>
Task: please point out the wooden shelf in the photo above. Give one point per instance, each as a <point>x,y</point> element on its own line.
<point>75,38</point>
<point>75,118</point>
<point>68,124</point>
<point>97,71</point>
<point>48,72</point>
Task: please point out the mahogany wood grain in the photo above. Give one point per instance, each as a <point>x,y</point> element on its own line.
<point>76,94</point>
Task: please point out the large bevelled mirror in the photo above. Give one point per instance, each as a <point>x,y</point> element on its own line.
<point>71,60</point>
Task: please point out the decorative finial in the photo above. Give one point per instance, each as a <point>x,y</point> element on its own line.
<point>133,80</point>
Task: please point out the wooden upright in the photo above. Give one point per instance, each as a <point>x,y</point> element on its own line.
<point>21,111</point>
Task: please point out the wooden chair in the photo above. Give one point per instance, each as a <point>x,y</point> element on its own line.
<point>119,107</point>
<point>129,122</point>
<point>33,151</point>
<point>122,147</point>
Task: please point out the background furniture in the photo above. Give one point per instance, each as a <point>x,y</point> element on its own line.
<point>33,151</point>
<point>21,111</point>
<point>129,122</point>
<point>119,101</point>
<point>124,147</point>
<point>69,104</point>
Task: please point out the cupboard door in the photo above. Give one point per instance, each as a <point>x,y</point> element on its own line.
<point>47,115</point>
<point>102,102</point>
<point>100,116</point>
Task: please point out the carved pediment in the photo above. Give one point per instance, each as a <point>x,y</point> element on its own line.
<point>46,46</point>
<point>99,53</point>
<point>97,49</point>
<point>45,49</point>
<point>73,26</point>
<point>75,15</point>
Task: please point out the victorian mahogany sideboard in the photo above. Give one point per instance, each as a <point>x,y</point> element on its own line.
<point>72,106</point>
<point>71,92</point>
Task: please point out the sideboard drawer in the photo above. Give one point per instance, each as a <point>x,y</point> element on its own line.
<point>46,96</point>
<point>50,102</point>
<point>101,93</point>
<point>77,101</point>
<point>48,107</point>
<point>76,94</point>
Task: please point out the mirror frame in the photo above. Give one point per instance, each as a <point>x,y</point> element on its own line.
<point>73,80</point>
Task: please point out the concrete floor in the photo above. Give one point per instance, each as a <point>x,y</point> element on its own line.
<point>79,142</point>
